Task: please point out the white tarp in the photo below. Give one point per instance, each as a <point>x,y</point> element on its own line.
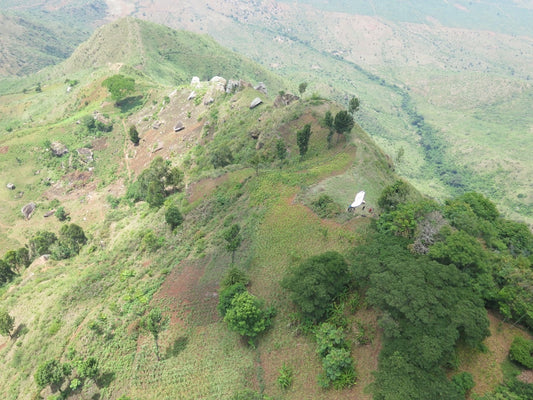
<point>359,199</point>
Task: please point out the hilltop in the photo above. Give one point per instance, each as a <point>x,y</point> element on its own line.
<point>251,210</point>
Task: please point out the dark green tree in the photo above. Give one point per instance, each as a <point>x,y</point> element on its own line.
<point>521,351</point>
<point>52,373</point>
<point>88,368</point>
<point>6,273</point>
<point>302,139</point>
<point>173,216</point>
<point>353,107</point>
<point>155,323</point>
<point>233,239</point>
<point>119,86</point>
<point>329,121</point>
<point>134,135</point>
<point>281,150</point>
<point>302,88</point>
<point>7,323</point>
<point>343,122</point>
<point>61,214</point>
<point>394,195</point>
<point>316,283</point>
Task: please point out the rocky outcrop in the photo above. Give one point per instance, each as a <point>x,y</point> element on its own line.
<point>261,87</point>
<point>285,99</point>
<point>218,83</point>
<point>255,102</point>
<point>86,155</point>
<point>232,86</point>
<point>58,149</point>
<point>195,81</point>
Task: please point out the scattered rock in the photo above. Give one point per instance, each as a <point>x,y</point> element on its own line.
<point>285,99</point>
<point>232,86</point>
<point>159,147</point>
<point>255,103</point>
<point>156,124</point>
<point>58,149</point>
<point>192,95</point>
<point>49,213</point>
<point>10,186</point>
<point>86,155</point>
<point>261,87</point>
<point>208,100</point>
<point>28,210</point>
<point>179,126</point>
<point>195,81</point>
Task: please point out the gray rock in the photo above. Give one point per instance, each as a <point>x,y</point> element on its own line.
<point>255,103</point>
<point>219,83</point>
<point>10,186</point>
<point>179,126</point>
<point>208,100</point>
<point>285,99</point>
<point>192,95</point>
<point>28,210</point>
<point>195,81</point>
<point>261,87</point>
<point>156,124</point>
<point>58,149</point>
<point>86,155</point>
<point>232,86</point>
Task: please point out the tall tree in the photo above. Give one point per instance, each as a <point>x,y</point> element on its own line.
<point>119,86</point>
<point>233,239</point>
<point>246,316</point>
<point>302,87</point>
<point>155,323</point>
<point>7,323</point>
<point>134,135</point>
<point>302,139</point>
<point>343,122</point>
<point>353,107</point>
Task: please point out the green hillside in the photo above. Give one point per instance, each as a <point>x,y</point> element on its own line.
<point>171,253</point>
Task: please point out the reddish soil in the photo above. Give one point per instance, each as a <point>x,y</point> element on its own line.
<point>204,188</point>
<point>99,144</point>
<point>186,297</point>
<point>4,149</point>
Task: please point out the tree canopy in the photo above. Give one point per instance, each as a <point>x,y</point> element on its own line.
<point>316,283</point>
<point>119,86</point>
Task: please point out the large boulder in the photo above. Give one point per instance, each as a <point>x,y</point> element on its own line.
<point>232,86</point>
<point>195,81</point>
<point>11,186</point>
<point>192,95</point>
<point>219,83</point>
<point>28,210</point>
<point>179,126</point>
<point>58,149</point>
<point>255,102</point>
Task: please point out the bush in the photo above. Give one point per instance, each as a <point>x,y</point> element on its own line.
<point>173,216</point>
<point>285,377</point>
<point>325,207</point>
<point>233,276</point>
<point>464,382</point>
<point>521,351</point>
<point>226,297</point>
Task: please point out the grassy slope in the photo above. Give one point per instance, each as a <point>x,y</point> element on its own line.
<point>432,56</point>
<point>116,278</point>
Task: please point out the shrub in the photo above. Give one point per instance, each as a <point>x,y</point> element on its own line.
<point>226,297</point>
<point>233,276</point>
<point>464,382</point>
<point>521,351</point>
<point>173,216</point>
<point>285,377</point>
<point>325,207</point>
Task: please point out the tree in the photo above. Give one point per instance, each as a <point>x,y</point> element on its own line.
<point>394,195</point>
<point>155,323</point>
<point>6,273</point>
<point>52,373</point>
<point>302,139</point>
<point>343,122</point>
<point>353,107</point>
<point>134,135</point>
<point>233,239</point>
<point>221,157</point>
<point>316,283</point>
<point>40,243</point>
<point>281,150</point>
<point>7,323</point>
<point>173,216</point>
<point>226,297</point>
<point>119,86</point>
<point>246,316</point>
<point>61,214</point>
<point>302,88</point>
<point>521,351</point>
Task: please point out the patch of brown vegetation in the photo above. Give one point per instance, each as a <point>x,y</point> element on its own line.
<point>4,149</point>
<point>99,144</point>
<point>186,297</point>
<point>526,377</point>
<point>204,188</point>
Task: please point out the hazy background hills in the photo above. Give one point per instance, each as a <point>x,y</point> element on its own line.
<point>462,68</point>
